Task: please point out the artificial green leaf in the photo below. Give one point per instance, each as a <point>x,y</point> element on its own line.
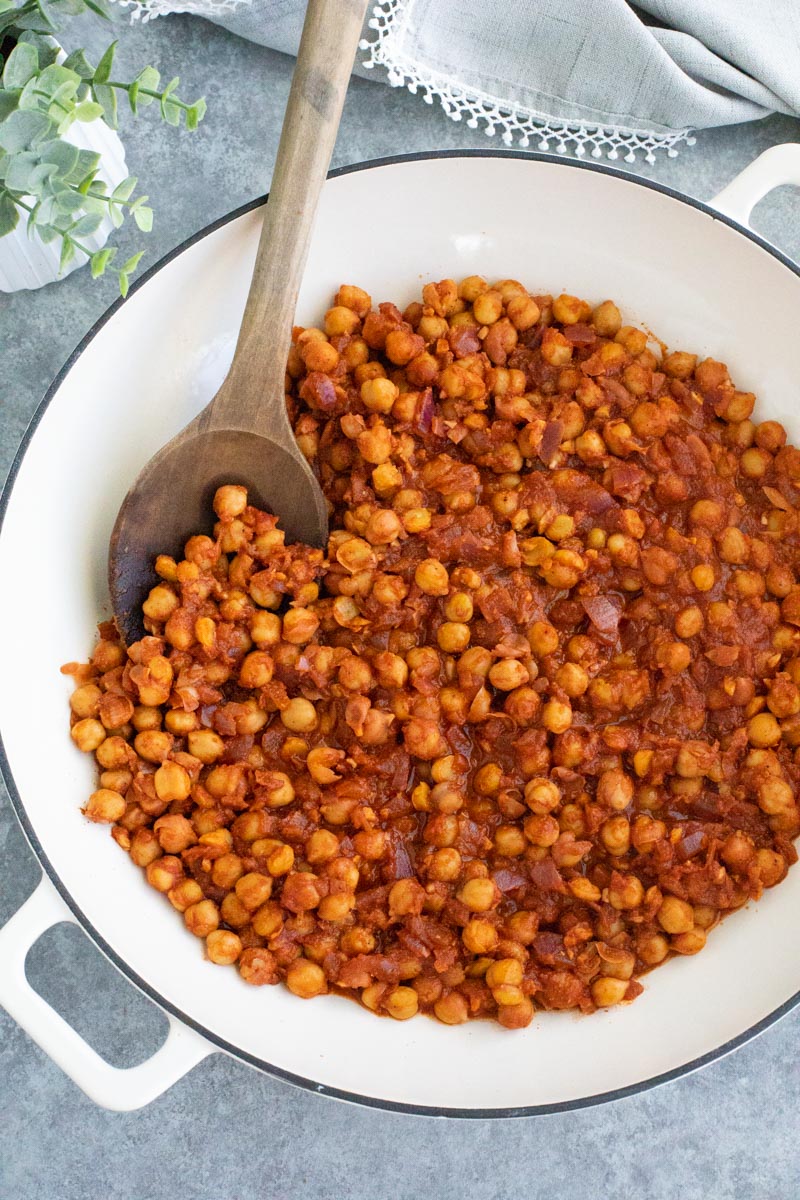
<point>78,63</point>
<point>116,214</point>
<point>171,112</point>
<point>7,5</point>
<point>98,9</point>
<point>44,231</point>
<point>195,113</point>
<point>144,218</point>
<point>20,170</point>
<point>9,214</point>
<point>133,97</point>
<point>68,203</point>
<point>101,259</point>
<point>41,177</point>
<point>87,110</point>
<point>124,284</point>
<point>21,129</point>
<point>89,223</point>
<point>63,155</point>
<point>33,19</point>
<point>124,190</point>
<point>107,97</point>
<point>29,96</point>
<point>8,102</point>
<point>53,79</point>
<point>47,49</point>
<point>130,266</point>
<point>147,81</point>
<point>84,169</point>
<point>102,72</point>
<point>67,254</point>
<point>21,64</point>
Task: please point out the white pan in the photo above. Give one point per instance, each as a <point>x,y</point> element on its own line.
<point>695,277</point>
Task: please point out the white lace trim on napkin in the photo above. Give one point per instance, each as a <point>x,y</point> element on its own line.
<point>148,10</point>
<point>514,122</point>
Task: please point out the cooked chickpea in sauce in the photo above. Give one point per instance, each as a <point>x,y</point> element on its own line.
<point>529,725</point>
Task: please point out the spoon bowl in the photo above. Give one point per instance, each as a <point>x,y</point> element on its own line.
<point>172,499</point>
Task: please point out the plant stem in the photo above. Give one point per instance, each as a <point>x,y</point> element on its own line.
<point>126,87</point>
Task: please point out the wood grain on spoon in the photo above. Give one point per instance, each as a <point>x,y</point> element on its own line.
<point>243,435</point>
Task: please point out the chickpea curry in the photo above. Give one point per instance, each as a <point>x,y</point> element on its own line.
<point>529,726</point>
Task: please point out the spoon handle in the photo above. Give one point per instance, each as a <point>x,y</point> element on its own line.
<point>252,394</point>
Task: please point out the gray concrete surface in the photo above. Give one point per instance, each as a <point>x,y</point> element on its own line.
<point>729,1132</point>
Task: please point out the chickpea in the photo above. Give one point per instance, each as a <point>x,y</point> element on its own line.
<point>542,830</point>
<point>509,840</point>
<point>507,674</point>
<point>402,1003</point>
<point>615,834</point>
<point>515,1015</point>
<point>175,833</point>
<point>406,898</point>
<point>557,716</point>
<point>523,312</point>
<point>144,847</point>
<point>88,734</point>
<point>445,865</point>
<point>702,577</point>
<point>572,679</point>
<point>299,716</point>
<point>164,873</point>
<point>771,867</point>
<point>305,979</point>
<point>690,942</point>
<point>479,895</point>
<point>543,638</point>
<point>487,307</point>
<point>479,936</point>
<point>689,622</point>
<point>451,1009</point>
<point>336,907</point>
<point>205,744</point>
<point>606,319</point>
<point>267,920</point>
<point>223,947</point>
<point>542,796</point>
<point>105,806</point>
<point>431,578</point>
<point>763,730</point>
<point>607,991</point>
<point>627,893</point>
<point>673,657</point>
<point>675,916</point>
<point>85,700</point>
<point>453,637</point>
<point>423,739</point>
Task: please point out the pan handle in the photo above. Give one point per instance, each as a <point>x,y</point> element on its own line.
<point>776,166</point>
<point>120,1089</point>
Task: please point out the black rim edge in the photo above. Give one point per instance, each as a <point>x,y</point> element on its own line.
<point>16,800</point>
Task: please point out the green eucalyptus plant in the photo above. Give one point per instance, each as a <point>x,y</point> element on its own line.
<point>43,177</point>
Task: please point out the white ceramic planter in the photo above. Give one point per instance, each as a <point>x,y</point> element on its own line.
<point>25,262</point>
<point>700,282</point>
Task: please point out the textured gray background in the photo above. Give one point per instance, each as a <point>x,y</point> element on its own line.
<point>727,1133</point>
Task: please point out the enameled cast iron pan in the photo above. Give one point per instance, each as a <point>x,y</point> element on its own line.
<point>701,281</point>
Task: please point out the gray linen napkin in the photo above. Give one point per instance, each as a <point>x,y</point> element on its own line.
<point>582,75</point>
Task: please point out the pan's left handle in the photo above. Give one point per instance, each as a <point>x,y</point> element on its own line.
<point>120,1089</point>
<point>773,168</point>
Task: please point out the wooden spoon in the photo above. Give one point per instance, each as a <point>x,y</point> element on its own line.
<point>244,436</point>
